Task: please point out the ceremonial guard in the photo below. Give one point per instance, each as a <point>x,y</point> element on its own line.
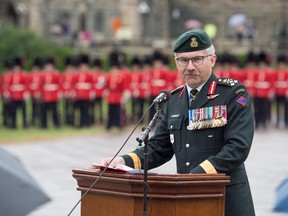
<point>249,73</point>
<point>235,71</point>
<point>126,96</point>
<point>115,88</point>
<point>99,80</point>
<point>207,124</point>
<point>18,92</point>
<point>263,91</point>
<point>5,93</point>
<point>83,91</point>
<point>35,90</point>
<point>137,102</point>
<point>175,80</point>
<point>67,88</point>
<point>159,75</point>
<point>145,85</point>
<point>281,90</point>
<point>50,93</point>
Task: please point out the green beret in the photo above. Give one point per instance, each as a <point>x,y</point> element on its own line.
<point>193,40</point>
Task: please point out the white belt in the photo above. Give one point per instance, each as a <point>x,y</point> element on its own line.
<point>281,84</point>
<point>83,86</point>
<point>50,87</point>
<point>17,87</point>
<point>262,85</point>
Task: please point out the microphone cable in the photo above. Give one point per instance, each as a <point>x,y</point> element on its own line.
<point>104,170</point>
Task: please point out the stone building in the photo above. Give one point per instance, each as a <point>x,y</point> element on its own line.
<point>235,25</point>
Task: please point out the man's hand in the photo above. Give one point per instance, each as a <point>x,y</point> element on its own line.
<point>117,160</point>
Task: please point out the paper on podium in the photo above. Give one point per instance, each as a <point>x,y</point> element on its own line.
<point>120,168</point>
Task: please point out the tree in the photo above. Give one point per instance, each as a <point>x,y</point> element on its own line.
<point>28,45</point>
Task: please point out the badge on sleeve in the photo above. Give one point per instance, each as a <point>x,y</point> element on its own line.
<point>242,100</point>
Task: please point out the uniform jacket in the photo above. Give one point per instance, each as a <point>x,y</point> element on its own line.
<point>281,83</point>
<point>264,83</point>
<point>208,150</point>
<point>82,84</point>
<point>18,86</point>
<point>50,86</point>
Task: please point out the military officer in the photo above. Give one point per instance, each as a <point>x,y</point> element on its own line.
<point>212,135</point>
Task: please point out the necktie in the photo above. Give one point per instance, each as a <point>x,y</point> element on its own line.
<point>192,97</point>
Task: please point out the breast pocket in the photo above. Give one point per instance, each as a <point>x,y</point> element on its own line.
<point>174,126</point>
<point>210,139</point>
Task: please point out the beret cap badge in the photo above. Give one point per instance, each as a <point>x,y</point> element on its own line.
<point>193,43</point>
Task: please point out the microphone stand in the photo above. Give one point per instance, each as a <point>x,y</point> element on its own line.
<point>144,139</point>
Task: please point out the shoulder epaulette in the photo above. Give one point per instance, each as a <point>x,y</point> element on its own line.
<point>180,88</point>
<point>228,81</point>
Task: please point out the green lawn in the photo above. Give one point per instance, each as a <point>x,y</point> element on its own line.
<point>34,134</point>
<point>19,135</point>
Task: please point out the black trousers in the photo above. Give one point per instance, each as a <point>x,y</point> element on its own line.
<point>262,111</point>
<point>137,107</point>
<point>36,112</point>
<point>46,107</point>
<point>69,111</point>
<point>281,102</point>
<point>6,114</point>
<point>114,116</point>
<point>15,105</point>
<point>83,107</point>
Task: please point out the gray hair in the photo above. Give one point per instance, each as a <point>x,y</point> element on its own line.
<point>210,50</point>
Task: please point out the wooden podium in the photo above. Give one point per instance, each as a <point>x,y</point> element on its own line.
<point>121,194</point>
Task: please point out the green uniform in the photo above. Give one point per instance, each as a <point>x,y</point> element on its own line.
<point>215,138</point>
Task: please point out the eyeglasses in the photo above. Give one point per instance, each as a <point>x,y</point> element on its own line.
<point>197,60</point>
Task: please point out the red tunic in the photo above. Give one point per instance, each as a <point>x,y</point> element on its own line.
<point>264,81</point>
<point>82,83</point>
<point>158,81</point>
<point>50,86</point>
<point>18,86</point>
<point>115,88</point>
<point>281,82</point>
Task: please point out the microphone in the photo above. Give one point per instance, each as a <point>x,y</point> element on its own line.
<point>162,97</point>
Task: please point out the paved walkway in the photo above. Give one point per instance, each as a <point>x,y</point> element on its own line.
<point>51,164</point>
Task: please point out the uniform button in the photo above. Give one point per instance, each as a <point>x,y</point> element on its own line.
<point>187,163</point>
<point>187,145</point>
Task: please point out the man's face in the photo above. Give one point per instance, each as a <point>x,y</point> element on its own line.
<point>195,74</point>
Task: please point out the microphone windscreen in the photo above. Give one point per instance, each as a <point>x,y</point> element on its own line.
<point>168,94</point>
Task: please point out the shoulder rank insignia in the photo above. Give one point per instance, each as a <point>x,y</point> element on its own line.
<point>180,88</point>
<point>228,81</point>
<point>177,89</point>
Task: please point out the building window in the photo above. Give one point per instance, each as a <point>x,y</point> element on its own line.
<point>99,22</point>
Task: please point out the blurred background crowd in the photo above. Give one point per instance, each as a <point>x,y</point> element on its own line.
<point>83,63</point>
<point>84,94</point>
